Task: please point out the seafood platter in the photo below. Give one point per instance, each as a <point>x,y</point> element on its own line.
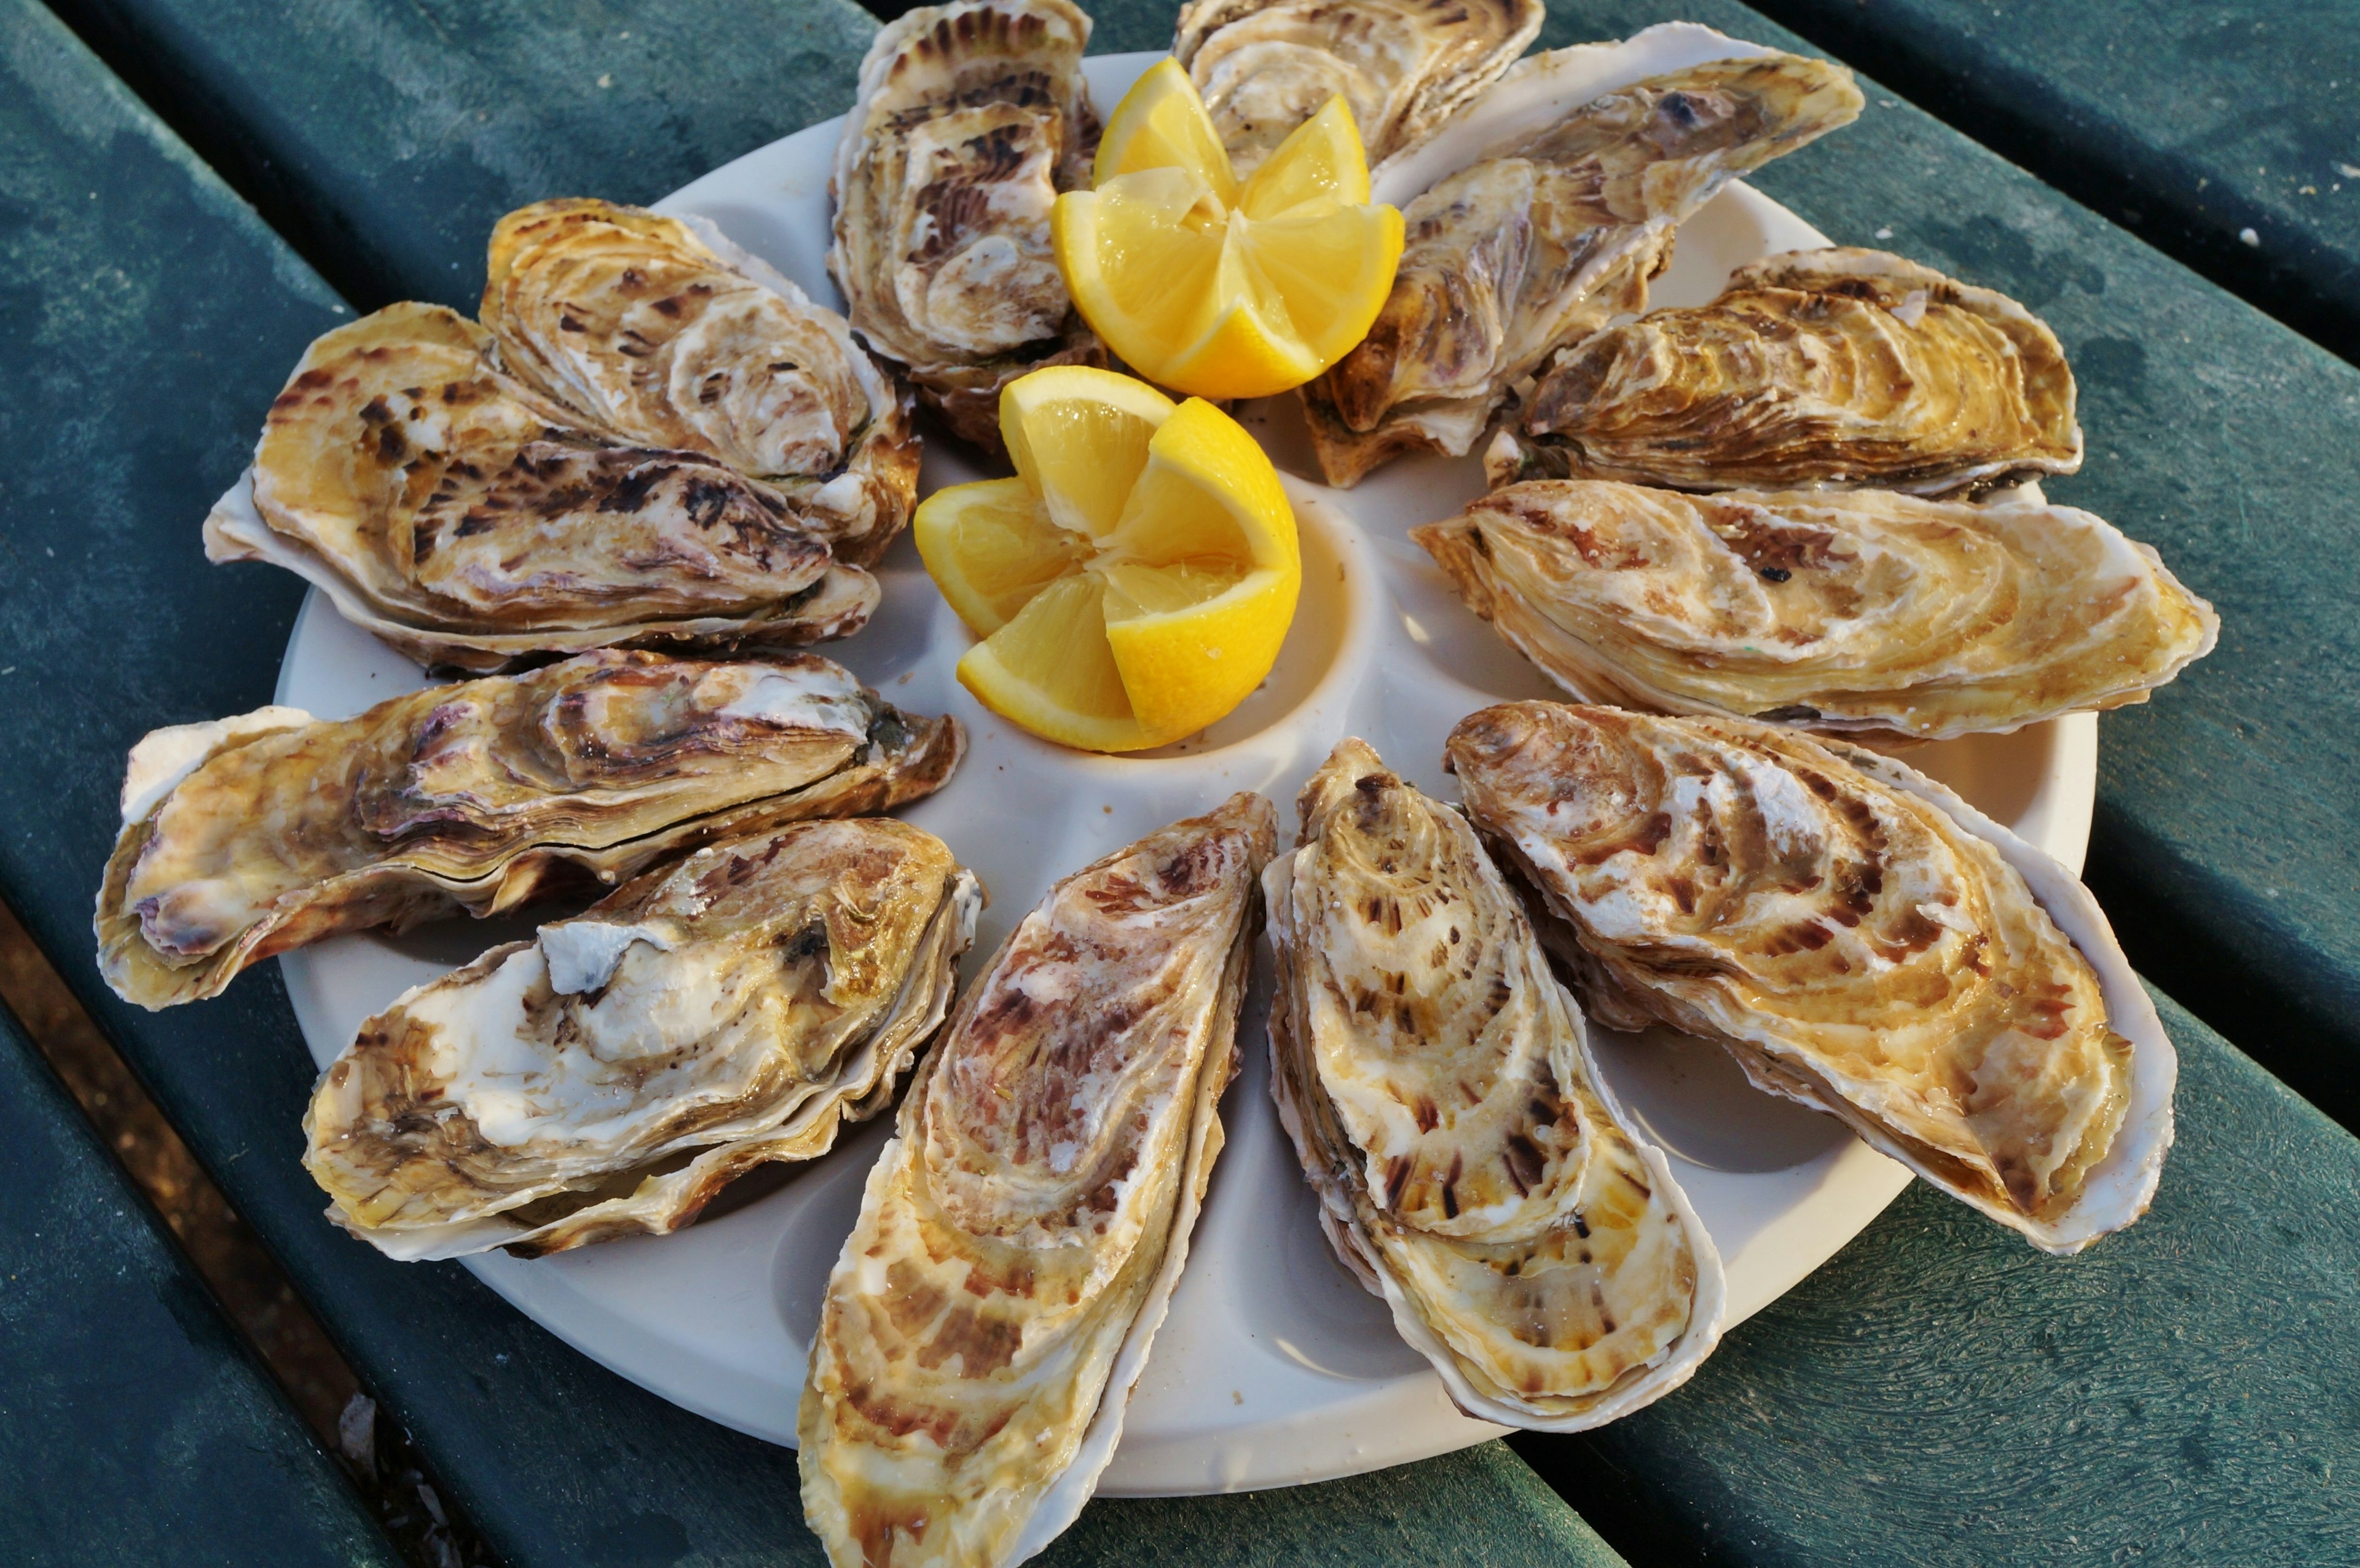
<point>1164,773</point>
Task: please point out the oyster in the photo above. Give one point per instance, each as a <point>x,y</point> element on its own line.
<point>1860,939</point>
<point>1831,366</point>
<point>1020,1237</point>
<point>1862,610</point>
<point>611,1075</point>
<point>657,332</point>
<point>971,117</point>
<point>1472,1169</point>
<point>1404,66</point>
<point>470,521</point>
<point>1542,212</point>
<point>248,836</point>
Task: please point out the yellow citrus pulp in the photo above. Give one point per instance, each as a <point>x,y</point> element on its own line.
<point>1210,287</point>
<point>1133,582</point>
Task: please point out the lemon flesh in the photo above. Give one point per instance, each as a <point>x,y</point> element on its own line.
<point>1164,604</point>
<point>1217,289</point>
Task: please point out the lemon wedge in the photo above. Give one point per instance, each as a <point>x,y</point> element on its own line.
<point>1215,288</point>
<point>1134,581</point>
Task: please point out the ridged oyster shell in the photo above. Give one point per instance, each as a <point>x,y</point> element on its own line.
<point>657,332</point>
<point>471,522</point>
<point>1404,66</point>
<point>1860,940</point>
<point>610,1076</point>
<point>971,118</point>
<point>1858,611</point>
<point>245,837</point>
<point>1834,366</point>
<point>1438,1085</point>
<point>1020,1237</point>
<point>1542,212</point>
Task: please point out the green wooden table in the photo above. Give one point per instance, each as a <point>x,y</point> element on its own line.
<point>1938,1394</point>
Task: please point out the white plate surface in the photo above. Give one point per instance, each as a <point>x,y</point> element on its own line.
<point>1274,1368</point>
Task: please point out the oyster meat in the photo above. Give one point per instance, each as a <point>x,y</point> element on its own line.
<point>657,332</point>
<point>1860,940</point>
<point>971,118</point>
<point>1020,1237</point>
<point>1834,366</point>
<point>1860,611</point>
<point>610,1076</point>
<point>1404,66</point>
<point>470,521</point>
<point>1542,212</point>
<point>1472,1169</point>
<point>248,836</point>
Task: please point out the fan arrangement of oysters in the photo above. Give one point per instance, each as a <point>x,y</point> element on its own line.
<point>1747,538</point>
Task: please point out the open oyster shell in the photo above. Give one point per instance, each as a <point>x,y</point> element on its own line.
<point>1542,212</point>
<point>659,332</point>
<point>245,837</point>
<point>470,521</point>
<point>971,118</point>
<point>1860,611</point>
<point>610,1076</point>
<point>1834,366</point>
<point>1404,66</point>
<point>1020,1238</point>
<point>1472,1168</point>
<point>1860,939</point>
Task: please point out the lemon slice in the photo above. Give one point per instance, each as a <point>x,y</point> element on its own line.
<point>1135,582</point>
<point>1215,288</point>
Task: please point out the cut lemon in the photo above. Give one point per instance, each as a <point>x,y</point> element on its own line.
<point>1135,580</point>
<point>1215,288</point>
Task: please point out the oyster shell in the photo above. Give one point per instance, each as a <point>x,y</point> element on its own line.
<point>1833,367</point>
<point>1860,940</point>
<point>1542,212</point>
<point>610,1076</point>
<point>1841,611</point>
<point>470,521</point>
<point>248,836</point>
<point>1020,1237</point>
<point>657,332</point>
<point>971,118</point>
<point>1404,66</point>
<point>1472,1169</point>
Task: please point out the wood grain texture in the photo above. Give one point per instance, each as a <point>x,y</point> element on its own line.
<point>2187,1391</point>
<point>2189,125</point>
<point>135,1426</point>
<point>150,319</point>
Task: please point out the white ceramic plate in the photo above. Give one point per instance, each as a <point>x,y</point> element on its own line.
<point>1274,1368</point>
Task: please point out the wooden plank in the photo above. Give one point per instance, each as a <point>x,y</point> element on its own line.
<point>2186,1392</point>
<point>154,317</point>
<point>2192,125</point>
<point>136,1427</point>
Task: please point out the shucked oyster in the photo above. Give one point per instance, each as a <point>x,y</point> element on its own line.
<point>971,117</point>
<point>1862,610</point>
<point>608,1077</point>
<point>245,837</point>
<point>657,332</point>
<point>1405,66</point>
<point>1437,1083</point>
<point>1542,212</point>
<point>1020,1237</point>
<point>469,521</point>
<point>1829,366</point>
<point>1860,940</point>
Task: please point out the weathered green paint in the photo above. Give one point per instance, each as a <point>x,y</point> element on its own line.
<point>2189,124</point>
<point>2185,1392</point>
<point>383,141</point>
<point>134,1427</point>
<point>147,327</point>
